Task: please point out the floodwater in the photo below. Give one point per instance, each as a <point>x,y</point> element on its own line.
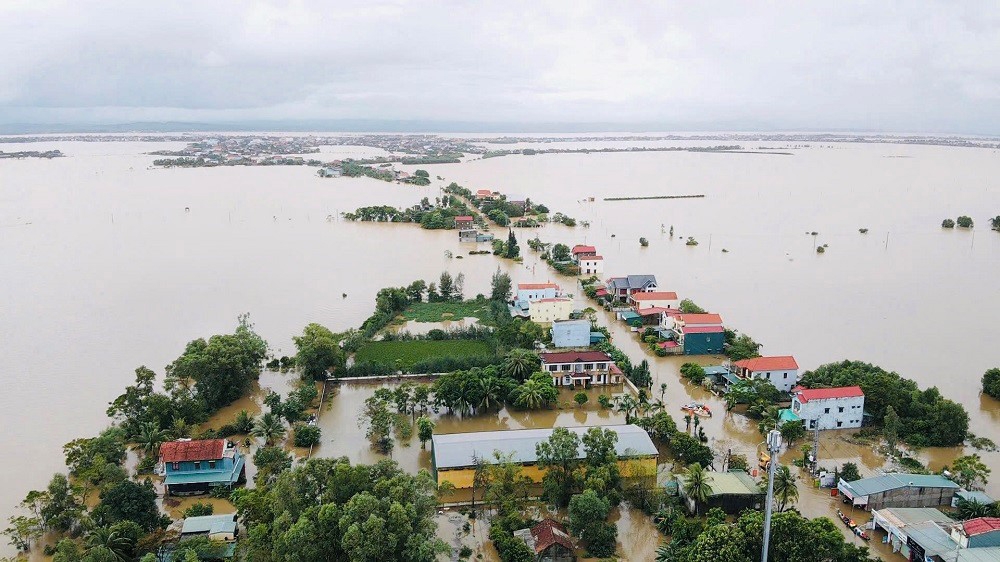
<point>106,264</point>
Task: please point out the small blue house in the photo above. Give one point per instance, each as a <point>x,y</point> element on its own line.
<point>571,333</point>
<point>195,467</point>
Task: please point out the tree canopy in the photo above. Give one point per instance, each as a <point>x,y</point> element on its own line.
<point>318,351</point>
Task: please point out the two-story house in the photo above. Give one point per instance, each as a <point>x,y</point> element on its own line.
<point>589,262</point>
<point>621,287</point>
<point>829,408</point>
<point>581,368</point>
<point>530,292</point>
<point>194,467</point>
<point>781,371</point>
<point>581,251</point>
<point>695,334</point>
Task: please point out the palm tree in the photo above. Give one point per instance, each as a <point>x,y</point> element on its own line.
<point>269,427</point>
<point>687,423</point>
<point>519,364</point>
<point>243,422</point>
<point>697,422</point>
<point>785,489</point>
<point>150,437</point>
<point>105,545</point>
<point>530,396</point>
<point>663,390</point>
<point>697,484</point>
<point>491,391</point>
<point>628,406</point>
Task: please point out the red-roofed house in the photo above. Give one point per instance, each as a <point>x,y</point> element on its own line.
<point>194,467</point>
<point>842,407</point>
<point>580,368</point>
<point>580,250</point>
<point>464,221</point>
<point>978,532</point>
<point>696,334</point>
<point>653,299</point>
<point>485,195</point>
<point>549,541</point>
<point>531,292</point>
<point>782,371</point>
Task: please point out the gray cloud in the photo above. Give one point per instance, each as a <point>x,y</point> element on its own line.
<point>928,66</point>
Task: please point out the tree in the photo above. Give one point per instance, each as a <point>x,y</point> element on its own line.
<point>269,428</point>
<point>425,430</point>
<point>964,222</point>
<point>740,346</point>
<point>581,398</point>
<point>306,435</point>
<point>319,352</point>
<point>505,486</point>
<point>947,223</point>
<point>785,489</point>
<point>421,174</point>
<point>560,253</point>
<point>518,364</point>
<point>890,428</point>
<point>270,462</point>
<point>971,509</point>
<point>849,472</point>
<point>991,383</point>
<point>643,242</point>
<point>109,544</point>
<point>535,393</point>
<point>641,376</point>
<point>59,506</point>
<point>131,501</point>
<point>199,509</point>
<point>560,456</point>
<point>688,306</point>
<point>500,286</point>
<point>688,449</point>
<point>23,531</point>
<point>511,250</point>
<point>970,471</point>
<point>697,484</point>
<point>150,437</point>
<point>693,372</point>
<point>588,513</point>
<point>223,367</point>
<point>792,431</point>
<point>446,286</point>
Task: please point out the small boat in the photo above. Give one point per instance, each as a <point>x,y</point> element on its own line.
<point>861,533</point>
<point>697,409</point>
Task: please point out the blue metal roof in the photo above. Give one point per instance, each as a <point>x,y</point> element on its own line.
<point>886,482</point>
<point>211,524</point>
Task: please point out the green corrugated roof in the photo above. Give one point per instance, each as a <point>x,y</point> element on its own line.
<point>886,482</point>
<point>224,523</point>
<point>735,483</point>
<point>630,315</point>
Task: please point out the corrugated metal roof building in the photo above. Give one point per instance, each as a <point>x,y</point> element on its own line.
<point>453,454</point>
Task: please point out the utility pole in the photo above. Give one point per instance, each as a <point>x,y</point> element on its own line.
<point>815,448</point>
<point>773,445</point>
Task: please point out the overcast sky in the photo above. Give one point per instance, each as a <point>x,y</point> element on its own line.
<point>907,66</point>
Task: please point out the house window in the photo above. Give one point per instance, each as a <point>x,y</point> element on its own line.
<point>197,465</point>
<point>826,410</point>
<point>565,367</point>
<point>602,366</point>
<point>840,423</point>
<point>840,409</point>
<point>588,366</point>
<point>786,376</point>
<point>176,466</point>
<point>553,368</point>
<point>211,464</point>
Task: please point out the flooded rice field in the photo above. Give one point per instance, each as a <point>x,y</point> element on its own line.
<point>107,264</point>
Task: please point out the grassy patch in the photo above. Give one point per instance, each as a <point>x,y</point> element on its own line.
<point>439,311</point>
<point>410,352</point>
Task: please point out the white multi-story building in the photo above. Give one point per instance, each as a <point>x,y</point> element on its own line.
<point>654,299</point>
<point>581,368</point>
<point>531,292</point>
<point>829,408</point>
<point>591,265</point>
<point>781,371</point>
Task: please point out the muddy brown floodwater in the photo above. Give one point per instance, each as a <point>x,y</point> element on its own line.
<point>103,270</point>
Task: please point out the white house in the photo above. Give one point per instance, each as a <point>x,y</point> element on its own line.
<point>829,408</point>
<point>654,299</point>
<point>581,368</point>
<point>591,265</point>
<point>782,371</point>
<point>530,292</point>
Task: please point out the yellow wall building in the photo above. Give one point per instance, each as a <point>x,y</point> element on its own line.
<point>453,453</point>
<point>550,310</point>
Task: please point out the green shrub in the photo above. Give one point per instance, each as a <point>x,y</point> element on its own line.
<point>306,435</point>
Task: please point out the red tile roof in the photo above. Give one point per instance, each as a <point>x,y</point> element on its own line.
<point>655,296</point>
<point>531,286</point>
<point>200,450</point>
<point>700,318</point>
<point>573,356</point>
<point>600,292</point>
<point>653,310</point>
<point>484,192</point>
<point>591,258</point>
<point>465,218</point>
<point>807,394</point>
<point>581,249</point>
<point>688,329</point>
<point>668,344</point>
<point>769,363</point>
<point>981,525</point>
<point>548,533</point>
